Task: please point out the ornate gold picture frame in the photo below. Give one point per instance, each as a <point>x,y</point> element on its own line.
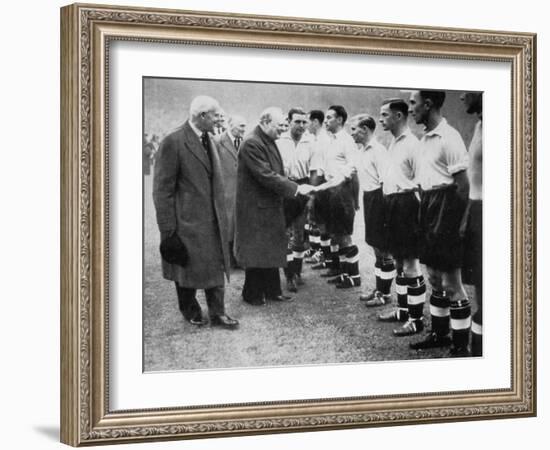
<point>87,33</point>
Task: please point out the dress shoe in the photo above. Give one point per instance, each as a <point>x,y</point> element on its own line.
<point>255,302</point>
<point>198,321</point>
<point>291,284</point>
<point>432,340</point>
<point>280,298</point>
<point>395,315</point>
<point>224,322</point>
<point>409,328</point>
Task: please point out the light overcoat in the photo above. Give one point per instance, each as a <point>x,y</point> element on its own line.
<point>228,160</point>
<point>261,240</point>
<point>188,193</point>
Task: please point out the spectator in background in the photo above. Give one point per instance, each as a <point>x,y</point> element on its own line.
<point>148,152</point>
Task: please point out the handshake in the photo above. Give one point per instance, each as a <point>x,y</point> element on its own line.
<point>305,189</point>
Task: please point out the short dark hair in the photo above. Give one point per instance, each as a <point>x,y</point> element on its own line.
<point>340,112</point>
<point>364,120</point>
<point>317,114</point>
<point>397,105</point>
<point>437,97</point>
<point>295,110</point>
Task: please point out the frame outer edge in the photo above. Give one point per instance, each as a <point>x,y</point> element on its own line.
<point>533,229</point>
<point>69,208</point>
<point>80,410</point>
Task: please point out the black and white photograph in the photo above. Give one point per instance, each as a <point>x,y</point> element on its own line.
<point>305,224</point>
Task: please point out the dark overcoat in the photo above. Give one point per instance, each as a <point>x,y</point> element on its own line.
<point>188,193</point>
<point>228,160</point>
<point>260,239</point>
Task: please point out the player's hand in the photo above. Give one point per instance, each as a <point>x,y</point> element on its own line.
<point>305,189</point>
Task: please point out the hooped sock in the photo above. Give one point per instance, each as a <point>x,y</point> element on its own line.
<point>461,322</point>
<point>401,288</point>
<point>387,274</point>
<point>440,311</point>
<point>416,297</point>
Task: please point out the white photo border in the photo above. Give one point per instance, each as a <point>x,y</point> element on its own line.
<point>132,389</point>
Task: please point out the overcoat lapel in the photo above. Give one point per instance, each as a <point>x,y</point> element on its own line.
<point>195,146</point>
<point>228,145</point>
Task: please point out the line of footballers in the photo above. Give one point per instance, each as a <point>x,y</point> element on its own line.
<point>422,204</point>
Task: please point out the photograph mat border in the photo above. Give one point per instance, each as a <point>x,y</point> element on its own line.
<point>308,381</point>
<point>85,415</point>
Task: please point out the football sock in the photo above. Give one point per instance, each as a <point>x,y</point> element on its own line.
<point>461,321</point>
<point>387,274</point>
<point>401,288</point>
<point>416,297</point>
<point>440,312</point>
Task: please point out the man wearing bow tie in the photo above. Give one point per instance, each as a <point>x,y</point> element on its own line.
<point>188,193</point>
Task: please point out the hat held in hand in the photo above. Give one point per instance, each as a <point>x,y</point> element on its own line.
<point>173,250</point>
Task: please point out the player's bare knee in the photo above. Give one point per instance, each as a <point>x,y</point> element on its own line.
<point>435,281</point>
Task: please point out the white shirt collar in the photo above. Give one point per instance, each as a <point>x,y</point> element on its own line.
<point>405,133</point>
<point>304,139</point>
<point>339,132</point>
<point>198,132</point>
<point>439,129</point>
<point>371,144</point>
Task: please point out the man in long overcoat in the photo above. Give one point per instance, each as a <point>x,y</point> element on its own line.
<point>261,240</point>
<point>229,143</point>
<point>188,193</point>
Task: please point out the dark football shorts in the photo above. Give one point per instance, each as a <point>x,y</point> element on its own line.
<point>321,208</point>
<point>402,228</point>
<point>472,267</point>
<point>341,203</point>
<point>441,214</point>
<point>374,212</point>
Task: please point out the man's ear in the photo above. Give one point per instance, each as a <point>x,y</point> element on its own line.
<point>429,103</point>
